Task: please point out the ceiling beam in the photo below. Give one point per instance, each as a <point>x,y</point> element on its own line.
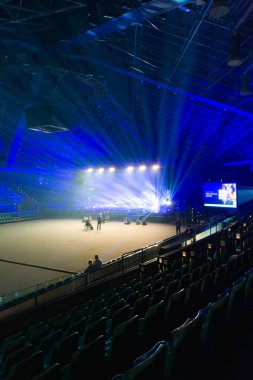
<point>143,13</point>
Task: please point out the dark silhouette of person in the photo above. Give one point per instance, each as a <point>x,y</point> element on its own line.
<point>97,263</point>
<point>189,230</point>
<point>178,226</point>
<point>90,268</point>
<point>99,221</point>
<point>88,224</point>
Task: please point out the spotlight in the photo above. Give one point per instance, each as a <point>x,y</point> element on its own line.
<point>155,167</point>
<point>101,170</point>
<point>235,58</point>
<point>130,168</point>
<point>142,167</point>
<point>111,169</point>
<point>219,9</point>
<point>90,170</point>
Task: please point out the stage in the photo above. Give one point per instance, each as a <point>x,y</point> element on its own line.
<point>47,247</point>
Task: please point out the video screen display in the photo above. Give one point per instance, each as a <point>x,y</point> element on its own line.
<point>220,194</point>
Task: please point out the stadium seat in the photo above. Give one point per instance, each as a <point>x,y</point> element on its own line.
<point>16,356</point>
<point>63,349</point>
<point>93,330</point>
<point>88,361</point>
<point>215,322</point>
<point>140,306</point>
<point>123,346</point>
<point>27,368</point>
<point>152,325</point>
<point>51,373</point>
<point>151,365</point>
<point>174,312</point>
<point>236,301</point>
<point>119,316</point>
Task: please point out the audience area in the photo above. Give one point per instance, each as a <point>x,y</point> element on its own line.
<point>176,316</point>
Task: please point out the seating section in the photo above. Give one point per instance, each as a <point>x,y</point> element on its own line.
<point>155,327</point>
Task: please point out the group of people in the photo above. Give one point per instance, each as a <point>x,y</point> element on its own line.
<point>101,218</point>
<point>138,222</point>
<point>94,265</point>
<point>87,223</point>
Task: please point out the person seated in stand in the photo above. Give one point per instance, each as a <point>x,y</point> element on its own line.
<point>189,230</point>
<point>90,268</point>
<point>97,263</point>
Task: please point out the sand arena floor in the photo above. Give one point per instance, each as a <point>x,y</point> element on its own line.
<point>64,245</point>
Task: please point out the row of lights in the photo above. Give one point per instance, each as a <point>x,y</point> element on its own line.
<point>129,168</point>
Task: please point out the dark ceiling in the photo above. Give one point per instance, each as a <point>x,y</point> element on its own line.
<point>141,81</point>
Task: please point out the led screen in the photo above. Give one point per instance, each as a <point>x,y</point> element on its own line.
<point>220,194</point>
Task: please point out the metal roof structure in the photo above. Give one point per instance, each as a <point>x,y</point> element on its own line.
<point>167,81</point>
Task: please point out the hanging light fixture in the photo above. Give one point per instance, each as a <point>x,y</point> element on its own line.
<point>245,85</point>
<point>235,58</point>
<point>218,9</point>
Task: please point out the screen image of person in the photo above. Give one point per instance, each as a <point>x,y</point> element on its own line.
<point>228,194</point>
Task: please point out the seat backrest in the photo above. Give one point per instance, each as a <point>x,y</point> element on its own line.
<point>13,345</point>
<point>157,295</point>
<point>248,291</point>
<point>78,326</point>
<point>27,368</point>
<point>51,373</point>
<point>172,288</point>
<point>175,311</point>
<point>152,326</point>
<point>236,300</point>
<point>215,323</point>
<point>151,365</point>
<point>124,346</point>
<point>47,342</point>
<point>94,329</point>
<point>17,356</point>
<point>132,297</point>
<point>63,349</point>
<point>140,306</point>
<point>89,361</point>
<point>119,316</point>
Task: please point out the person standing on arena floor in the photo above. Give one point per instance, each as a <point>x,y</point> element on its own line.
<point>178,226</point>
<point>99,221</point>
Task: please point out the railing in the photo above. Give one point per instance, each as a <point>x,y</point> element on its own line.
<point>18,216</point>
